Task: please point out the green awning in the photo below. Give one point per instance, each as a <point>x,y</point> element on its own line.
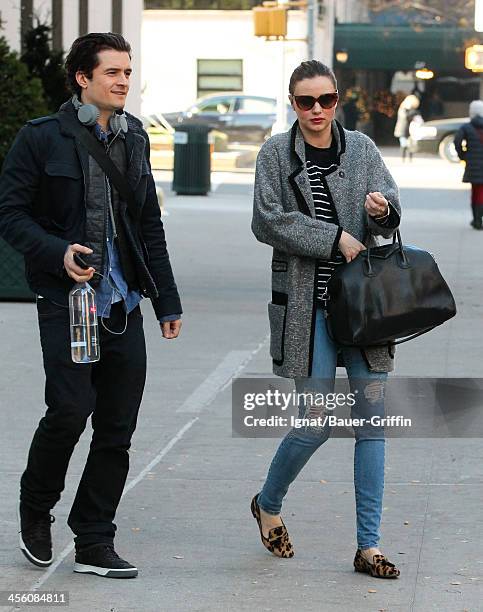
<point>378,47</point>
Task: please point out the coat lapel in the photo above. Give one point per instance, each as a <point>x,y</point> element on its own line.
<point>81,151</point>
<point>299,178</point>
<point>135,147</point>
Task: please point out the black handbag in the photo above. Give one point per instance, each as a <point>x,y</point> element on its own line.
<point>388,294</point>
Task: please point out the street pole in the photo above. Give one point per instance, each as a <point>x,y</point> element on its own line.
<point>479,15</point>
<point>479,28</point>
<point>312,14</point>
<point>280,124</point>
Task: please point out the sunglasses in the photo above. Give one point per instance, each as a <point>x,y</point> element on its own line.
<point>328,100</point>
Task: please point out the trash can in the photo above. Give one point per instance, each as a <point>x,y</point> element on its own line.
<point>192,160</point>
<point>13,285</point>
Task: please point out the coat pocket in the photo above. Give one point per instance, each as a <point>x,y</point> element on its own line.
<point>62,169</point>
<point>64,191</point>
<point>279,277</point>
<point>277,315</point>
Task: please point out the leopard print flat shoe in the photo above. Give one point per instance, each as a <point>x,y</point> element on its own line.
<point>379,568</point>
<point>278,541</point>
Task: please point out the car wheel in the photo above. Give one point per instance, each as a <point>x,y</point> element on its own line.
<point>447,149</point>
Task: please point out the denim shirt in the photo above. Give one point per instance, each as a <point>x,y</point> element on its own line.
<point>112,287</point>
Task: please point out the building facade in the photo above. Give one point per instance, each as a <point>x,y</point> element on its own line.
<point>189,53</point>
<point>377,55</point>
<point>72,18</point>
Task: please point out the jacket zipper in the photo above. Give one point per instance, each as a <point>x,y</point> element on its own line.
<point>109,195</point>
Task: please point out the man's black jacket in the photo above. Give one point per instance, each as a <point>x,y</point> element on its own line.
<point>43,187</point>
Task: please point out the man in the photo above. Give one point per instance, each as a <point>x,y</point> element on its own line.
<point>57,202</point>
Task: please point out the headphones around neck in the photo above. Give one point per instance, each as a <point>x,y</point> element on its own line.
<point>88,114</point>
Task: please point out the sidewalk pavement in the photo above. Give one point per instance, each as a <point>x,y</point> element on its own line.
<point>185,520</point>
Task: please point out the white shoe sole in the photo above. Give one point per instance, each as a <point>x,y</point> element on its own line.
<point>105,572</point>
<point>25,550</point>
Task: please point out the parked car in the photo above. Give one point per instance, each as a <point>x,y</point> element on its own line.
<point>156,124</point>
<point>244,119</point>
<point>437,137</point>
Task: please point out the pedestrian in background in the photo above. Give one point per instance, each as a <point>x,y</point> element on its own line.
<point>434,106</point>
<point>468,143</point>
<point>406,113</point>
<point>351,111</point>
<point>318,188</point>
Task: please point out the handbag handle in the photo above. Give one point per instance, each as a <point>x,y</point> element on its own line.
<point>420,333</point>
<point>405,261</point>
<point>390,343</point>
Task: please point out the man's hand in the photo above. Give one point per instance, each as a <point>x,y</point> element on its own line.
<point>349,246</point>
<point>171,329</point>
<point>73,270</point>
<point>376,204</point>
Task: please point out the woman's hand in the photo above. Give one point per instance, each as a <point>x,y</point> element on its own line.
<point>376,204</point>
<point>349,246</point>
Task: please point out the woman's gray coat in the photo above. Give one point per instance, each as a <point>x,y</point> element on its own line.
<point>284,218</point>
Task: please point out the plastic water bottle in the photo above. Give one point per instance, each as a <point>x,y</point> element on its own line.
<point>84,331</point>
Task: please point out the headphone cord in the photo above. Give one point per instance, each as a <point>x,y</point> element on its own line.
<point>114,290</point>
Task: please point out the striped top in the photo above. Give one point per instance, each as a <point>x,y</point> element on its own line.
<point>320,162</point>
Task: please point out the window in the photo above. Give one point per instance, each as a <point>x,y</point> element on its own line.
<point>216,75</point>
<point>215,105</point>
<point>255,106</point>
<point>453,89</point>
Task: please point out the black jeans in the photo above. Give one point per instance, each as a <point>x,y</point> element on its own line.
<point>111,391</point>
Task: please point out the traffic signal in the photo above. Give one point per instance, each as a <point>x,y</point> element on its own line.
<point>270,21</point>
<point>474,58</point>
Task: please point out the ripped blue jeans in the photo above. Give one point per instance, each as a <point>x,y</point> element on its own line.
<point>300,443</point>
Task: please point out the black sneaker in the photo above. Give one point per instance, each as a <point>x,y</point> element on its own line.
<point>103,560</point>
<point>34,535</point>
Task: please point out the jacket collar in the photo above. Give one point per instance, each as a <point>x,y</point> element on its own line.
<point>299,179</point>
<point>69,110</point>
<point>297,142</point>
<point>135,145</point>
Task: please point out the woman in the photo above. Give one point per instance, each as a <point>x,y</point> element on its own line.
<point>318,188</point>
<point>472,153</point>
<point>406,113</point>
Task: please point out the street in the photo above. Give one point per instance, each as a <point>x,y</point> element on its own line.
<point>185,518</point>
